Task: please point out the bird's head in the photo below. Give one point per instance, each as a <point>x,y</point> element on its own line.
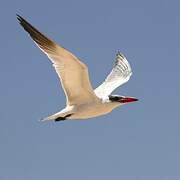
<point>122,99</point>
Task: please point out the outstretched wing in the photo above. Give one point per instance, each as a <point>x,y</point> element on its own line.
<point>119,75</point>
<point>72,72</point>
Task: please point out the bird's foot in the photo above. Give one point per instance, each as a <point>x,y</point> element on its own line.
<point>62,118</point>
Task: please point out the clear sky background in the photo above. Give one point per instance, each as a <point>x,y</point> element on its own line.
<point>139,141</point>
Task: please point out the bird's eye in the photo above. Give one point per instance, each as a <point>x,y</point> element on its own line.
<point>116,98</point>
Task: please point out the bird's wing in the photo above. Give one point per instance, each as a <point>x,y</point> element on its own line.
<point>119,75</point>
<point>72,72</point>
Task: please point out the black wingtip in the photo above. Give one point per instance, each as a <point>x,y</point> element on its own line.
<point>118,52</point>
<point>36,35</point>
<point>19,18</point>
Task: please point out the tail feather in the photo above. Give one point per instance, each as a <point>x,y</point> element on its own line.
<point>62,113</point>
<point>49,118</point>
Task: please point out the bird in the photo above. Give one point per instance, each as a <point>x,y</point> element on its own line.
<point>82,101</point>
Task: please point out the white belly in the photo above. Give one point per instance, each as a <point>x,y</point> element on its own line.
<point>84,111</point>
<point>91,110</point>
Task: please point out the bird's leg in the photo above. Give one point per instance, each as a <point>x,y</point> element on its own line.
<point>62,118</point>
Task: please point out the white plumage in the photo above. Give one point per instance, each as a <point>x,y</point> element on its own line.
<point>82,101</point>
<point>119,75</point>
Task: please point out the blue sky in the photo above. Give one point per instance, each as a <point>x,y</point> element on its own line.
<point>136,141</point>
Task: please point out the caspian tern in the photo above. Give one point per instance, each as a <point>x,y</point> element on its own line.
<point>82,102</point>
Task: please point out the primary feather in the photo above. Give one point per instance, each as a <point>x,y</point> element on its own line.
<point>72,72</point>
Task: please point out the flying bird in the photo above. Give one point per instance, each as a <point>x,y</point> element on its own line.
<point>82,102</point>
